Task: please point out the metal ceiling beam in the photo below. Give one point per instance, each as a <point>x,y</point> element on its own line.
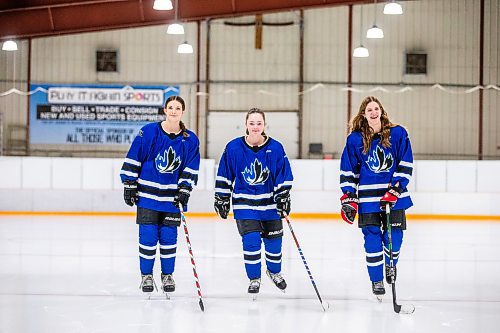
<point>39,18</point>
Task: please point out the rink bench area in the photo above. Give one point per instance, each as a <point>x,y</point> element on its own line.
<point>56,184</point>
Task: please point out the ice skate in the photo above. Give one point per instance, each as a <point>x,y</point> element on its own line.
<point>168,284</point>
<point>390,274</point>
<point>253,288</point>
<point>148,284</point>
<point>278,280</point>
<point>378,290</point>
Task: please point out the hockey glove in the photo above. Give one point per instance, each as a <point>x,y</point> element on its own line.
<point>130,193</point>
<point>283,205</point>
<point>349,209</point>
<point>182,197</point>
<point>390,197</point>
<point>221,205</point>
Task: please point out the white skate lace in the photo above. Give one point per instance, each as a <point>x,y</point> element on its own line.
<point>148,281</point>
<point>168,280</point>
<point>379,284</point>
<point>277,277</point>
<point>255,283</point>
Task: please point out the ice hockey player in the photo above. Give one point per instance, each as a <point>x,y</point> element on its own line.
<point>375,169</point>
<point>159,173</point>
<point>255,173</point>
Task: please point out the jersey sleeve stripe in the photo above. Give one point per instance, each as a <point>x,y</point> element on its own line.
<point>404,175</point>
<point>349,173</point>
<point>191,171</point>
<point>130,174</point>
<point>222,190</point>
<point>133,162</point>
<point>189,181</point>
<point>220,178</point>
<point>406,164</point>
<point>347,184</point>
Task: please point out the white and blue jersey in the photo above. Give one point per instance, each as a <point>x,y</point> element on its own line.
<point>369,175</point>
<point>161,163</point>
<point>254,177</point>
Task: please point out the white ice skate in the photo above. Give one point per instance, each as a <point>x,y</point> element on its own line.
<point>168,284</point>
<point>253,288</point>
<point>378,290</point>
<point>278,280</point>
<point>148,284</point>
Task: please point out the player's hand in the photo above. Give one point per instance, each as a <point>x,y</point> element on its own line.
<point>349,202</point>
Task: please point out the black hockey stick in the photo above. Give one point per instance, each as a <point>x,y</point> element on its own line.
<point>406,309</point>
<point>197,281</point>
<point>323,303</point>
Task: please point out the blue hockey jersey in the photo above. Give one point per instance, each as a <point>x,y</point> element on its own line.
<point>160,163</point>
<point>255,177</point>
<point>369,175</point>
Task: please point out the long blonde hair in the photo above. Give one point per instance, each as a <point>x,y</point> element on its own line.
<point>359,123</point>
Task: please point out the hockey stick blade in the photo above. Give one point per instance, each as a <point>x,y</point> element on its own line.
<point>202,307</point>
<point>407,309</point>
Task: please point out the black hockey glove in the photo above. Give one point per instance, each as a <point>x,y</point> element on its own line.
<point>182,197</point>
<point>221,205</point>
<point>349,209</point>
<point>130,193</point>
<point>283,205</point>
<point>390,197</point>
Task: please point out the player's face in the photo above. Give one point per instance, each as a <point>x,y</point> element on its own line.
<point>373,113</point>
<point>174,111</point>
<point>255,124</point>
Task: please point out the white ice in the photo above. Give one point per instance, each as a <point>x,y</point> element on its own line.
<point>80,274</point>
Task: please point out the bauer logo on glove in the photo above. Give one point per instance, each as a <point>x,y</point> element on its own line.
<point>390,197</point>
<point>349,210</point>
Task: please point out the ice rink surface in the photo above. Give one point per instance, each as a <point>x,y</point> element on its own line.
<point>81,274</point>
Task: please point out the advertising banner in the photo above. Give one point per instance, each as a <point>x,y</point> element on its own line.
<point>94,114</point>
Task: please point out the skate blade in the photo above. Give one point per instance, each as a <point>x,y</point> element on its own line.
<point>254,296</point>
<point>167,296</point>
<point>379,298</point>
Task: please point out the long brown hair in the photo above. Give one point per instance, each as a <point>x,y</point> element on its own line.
<point>360,124</point>
<point>259,111</point>
<point>183,105</point>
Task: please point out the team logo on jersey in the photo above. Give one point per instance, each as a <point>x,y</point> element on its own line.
<point>255,175</point>
<point>168,162</point>
<point>378,161</point>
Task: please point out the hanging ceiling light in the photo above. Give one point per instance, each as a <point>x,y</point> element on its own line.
<point>375,31</point>
<point>393,8</point>
<point>162,5</point>
<point>361,51</point>
<point>9,45</point>
<point>175,28</point>
<point>185,48</point>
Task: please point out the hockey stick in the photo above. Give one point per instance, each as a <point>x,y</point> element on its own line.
<point>323,303</point>
<point>198,287</point>
<point>406,309</point>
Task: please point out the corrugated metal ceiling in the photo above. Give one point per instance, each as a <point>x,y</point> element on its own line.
<point>37,18</point>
